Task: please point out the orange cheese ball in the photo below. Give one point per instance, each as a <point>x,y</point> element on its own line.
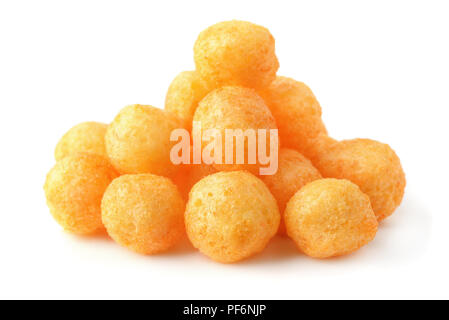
<point>294,171</point>
<point>371,165</point>
<point>84,137</point>
<point>234,108</point>
<point>191,174</point>
<point>236,53</point>
<point>329,218</point>
<point>184,94</point>
<point>297,113</point>
<point>74,189</point>
<point>144,213</point>
<point>138,141</point>
<point>231,216</point>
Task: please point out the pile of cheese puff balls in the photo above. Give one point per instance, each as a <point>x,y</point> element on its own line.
<point>327,196</point>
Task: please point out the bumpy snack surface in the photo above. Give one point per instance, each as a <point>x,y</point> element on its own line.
<point>297,113</point>
<point>329,218</point>
<point>231,216</point>
<point>234,108</point>
<point>74,189</point>
<point>84,137</point>
<point>236,53</point>
<point>138,141</point>
<point>371,165</point>
<point>184,94</point>
<point>144,213</point>
<point>294,171</point>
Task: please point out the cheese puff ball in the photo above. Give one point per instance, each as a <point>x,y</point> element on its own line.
<point>297,113</point>
<point>144,213</point>
<point>231,216</point>
<point>184,94</point>
<point>234,108</point>
<point>329,218</point>
<point>138,141</point>
<point>294,171</point>
<point>191,174</point>
<point>236,53</point>
<point>74,189</point>
<point>84,137</point>
<point>371,165</point>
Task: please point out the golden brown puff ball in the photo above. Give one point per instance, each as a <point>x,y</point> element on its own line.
<point>144,213</point>
<point>297,113</point>
<point>329,218</point>
<point>371,165</point>
<point>74,189</point>
<point>184,94</point>
<point>234,108</point>
<point>84,137</point>
<point>231,216</point>
<point>138,140</point>
<point>236,53</point>
<point>294,171</point>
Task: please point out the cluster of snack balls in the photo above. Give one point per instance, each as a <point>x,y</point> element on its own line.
<point>327,196</point>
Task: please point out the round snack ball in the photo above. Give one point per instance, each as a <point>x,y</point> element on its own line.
<point>329,218</point>
<point>294,171</point>
<point>84,137</point>
<point>236,53</point>
<point>234,108</point>
<point>231,216</point>
<point>371,165</point>
<point>297,113</point>
<point>183,96</point>
<point>138,141</point>
<point>191,174</point>
<point>74,189</point>
<point>144,213</point>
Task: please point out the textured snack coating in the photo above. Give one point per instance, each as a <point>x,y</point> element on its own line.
<point>294,171</point>
<point>144,213</point>
<point>371,165</point>
<point>234,108</point>
<point>84,137</point>
<point>297,113</point>
<point>329,218</point>
<point>236,53</point>
<point>184,94</point>
<point>138,141</point>
<point>74,188</point>
<point>231,216</point>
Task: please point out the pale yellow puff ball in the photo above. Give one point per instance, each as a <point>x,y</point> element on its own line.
<point>84,137</point>
<point>74,189</point>
<point>138,141</point>
<point>294,171</point>
<point>329,218</point>
<point>144,213</point>
<point>237,53</point>
<point>371,165</point>
<point>297,113</point>
<point>231,216</point>
<point>184,94</point>
<point>234,108</point>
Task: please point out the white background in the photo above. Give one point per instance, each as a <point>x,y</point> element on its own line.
<point>379,69</point>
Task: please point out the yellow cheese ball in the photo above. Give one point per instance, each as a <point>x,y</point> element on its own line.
<point>371,165</point>
<point>329,218</point>
<point>144,213</point>
<point>236,53</point>
<point>184,94</point>
<point>297,113</point>
<point>84,137</point>
<point>234,108</point>
<point>138,141</point>
<point>231,216</point>
<point>294,171</point>
<point>74,189</point>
